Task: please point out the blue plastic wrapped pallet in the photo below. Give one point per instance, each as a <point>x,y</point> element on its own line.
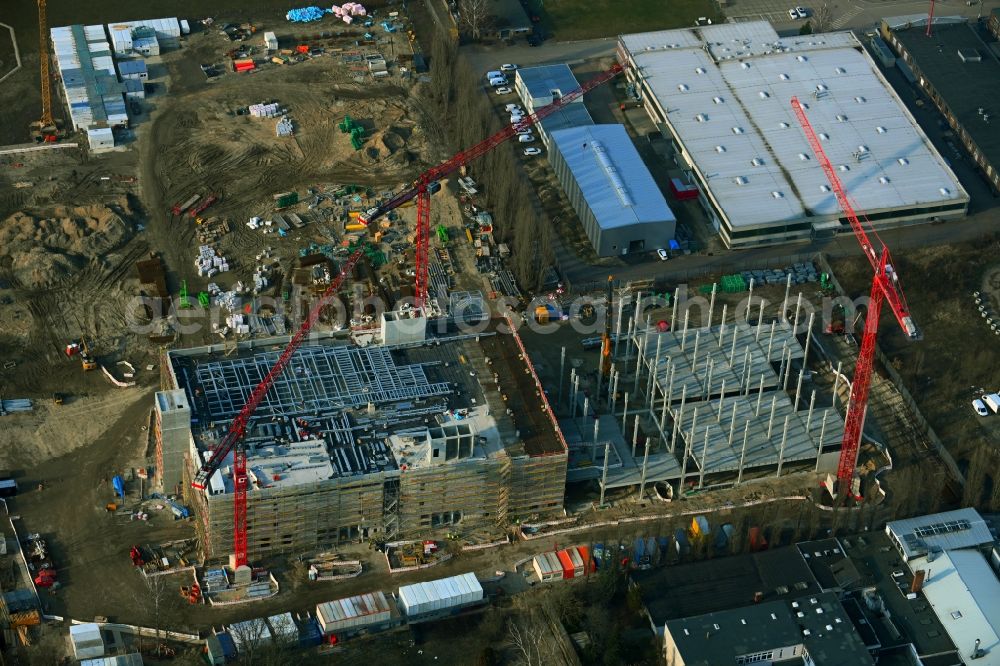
<point>305,14</point>
<point>309,633</point>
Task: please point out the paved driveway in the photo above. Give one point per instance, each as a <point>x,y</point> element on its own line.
<point>486,58</point>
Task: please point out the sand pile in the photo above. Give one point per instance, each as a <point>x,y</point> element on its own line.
<point>48,246</point>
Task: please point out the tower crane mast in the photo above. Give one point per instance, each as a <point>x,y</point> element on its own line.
<point>885,289</point>
<point>425,185</point>
<point>46,123</point>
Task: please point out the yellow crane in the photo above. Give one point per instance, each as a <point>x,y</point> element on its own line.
<point>45,128</point>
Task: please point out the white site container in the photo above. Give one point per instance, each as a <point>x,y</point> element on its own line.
<point>438,595</point>
<point>353,612</point>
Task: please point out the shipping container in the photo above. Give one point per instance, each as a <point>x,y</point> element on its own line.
<point>353,612</point>
<point>439,595</point>
<point>567,564</point>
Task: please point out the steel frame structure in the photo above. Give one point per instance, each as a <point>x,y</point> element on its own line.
<point>885,289</point>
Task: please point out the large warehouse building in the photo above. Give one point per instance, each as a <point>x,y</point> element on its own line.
<point>368,442</point>
<point>616,198</point>
<point>949,66</point>
<point>722,94</point>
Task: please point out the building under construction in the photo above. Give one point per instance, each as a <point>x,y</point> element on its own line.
<point>700,406</point>
<point>377,442</point>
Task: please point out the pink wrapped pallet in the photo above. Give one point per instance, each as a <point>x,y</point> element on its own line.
<point>348,20</point>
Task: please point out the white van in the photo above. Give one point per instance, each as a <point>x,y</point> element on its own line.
<point>992,401</point>
<point>497,83</point>
<point>495,74</point>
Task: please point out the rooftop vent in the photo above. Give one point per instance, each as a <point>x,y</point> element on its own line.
<point>884,180</point>
<point>720,149</point>
<point>821,88</point>
<point>764,94</point>
<point>612,173</point>
<point>737,130</point>
<point>801,58</point>
<point>860,100</point>
<point>701,117</point>
<point>800,614</point>
<point>783,125</point>
<point>773,616</point>
<point>840,70</point>
<point>803,157</point>
<point>783,77</point>
<point>829,627</point>
<point>903,161</point>
<point>862,149</point>
<point>805,632</point>
<point>844,167</point>
<point>841,117</point>
<point>717,100</point>
<point>745,65</point>
<point>777,195</point>
<point>683,87</point>
<point>945,191</point>
<point>824,136</point>
<point>699,70</point>
<point>969,55</point>
<point>880,129</point>
<point>740,180</point>
<point>824,188</point>
<point>757,161</point>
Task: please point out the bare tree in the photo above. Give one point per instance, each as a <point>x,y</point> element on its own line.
<point>476,17</point>
<point>529,641</point>
<point>822,18</point>
<point>154,600</point>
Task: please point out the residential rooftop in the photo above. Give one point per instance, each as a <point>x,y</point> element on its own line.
<point>950,530</point>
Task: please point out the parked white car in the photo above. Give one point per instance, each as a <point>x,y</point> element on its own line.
<point>526,138</point>
<point>531,152</point>
<point>526,130</point>
<point>504,90</point>
<point>515,118</point>
<point>662,254</point>
<point>511,108</point>
<point>508,67</point>
<point>801,12</point>
<point>980,407</point>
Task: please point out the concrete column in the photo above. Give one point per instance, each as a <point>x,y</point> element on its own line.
<point>562,374</point>
<point>708,379</point>
<point>625,412</point>
<point>613,398</point>
<point>586,407</point>
<point>673,312</point>
<point>645,463</point>
<point>678,420</point>
<point>654,371</point>
<point>638,360</point>
<point>600,377</point>
<point>788,370</point>
<point>809,417</point>
<point>687,452</point>
<point>770,419</point>
<point>760,320</point>
<point>670,383</point>
<point>798,306</point>
<point>732,425</point>
<point>746,381</point>
<point>684,331</point>
<point>732,347</point>
<point>722,395</point>
<point>743,453</point>
<point>575,379</point>
<point>701,470</point>
<point>781,363</point>
<point>798,388</point>
<point>822,434</point>
<point>743,368</point>
<point>635,435</point>
<point>631,341</point>
<point>593,444</point>
<point>663,421</point>
<point>722,325</point>
<point>618,323</point>
<point>809,332</point>
<point>711,304</point>
<point>836,383</point>
<point>604,475</point>
<point>746,311</point>
<point>694,423</point>
<point>760,395</point>
<point>638,308</point>
<point>770,341</point>
<point>784,438</point>
<point>784,303</point>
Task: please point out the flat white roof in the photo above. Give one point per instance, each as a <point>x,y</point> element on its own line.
<point>965,595</point>
<point>729,106</point>
<point>949,530</point>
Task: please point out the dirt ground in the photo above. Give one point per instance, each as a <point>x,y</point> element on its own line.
<point>958,355</point>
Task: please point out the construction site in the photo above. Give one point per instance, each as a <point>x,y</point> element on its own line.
<point>284,318</point>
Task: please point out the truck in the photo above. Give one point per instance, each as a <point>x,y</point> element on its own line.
<point>992,401</point>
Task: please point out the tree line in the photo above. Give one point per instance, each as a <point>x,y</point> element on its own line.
<point>466,118</point>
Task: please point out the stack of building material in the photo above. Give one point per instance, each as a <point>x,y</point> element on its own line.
<point>209,262</point>
<point>86,640</point>
<point>215,580</point>
<point>284,127</point>
<point>270,110</point>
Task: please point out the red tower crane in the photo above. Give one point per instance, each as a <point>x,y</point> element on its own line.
<point>425,185</point>
<point>885,288</point>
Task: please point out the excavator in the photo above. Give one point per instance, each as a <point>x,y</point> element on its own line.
<point>86,358</point>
